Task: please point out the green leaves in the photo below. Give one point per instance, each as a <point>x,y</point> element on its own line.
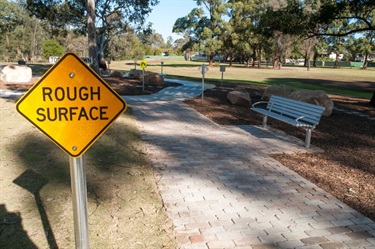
<point>52,48</point>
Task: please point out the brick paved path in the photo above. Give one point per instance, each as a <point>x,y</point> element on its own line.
<point>223,190</point>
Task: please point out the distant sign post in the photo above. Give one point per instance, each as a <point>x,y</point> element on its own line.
<point>73,106</point>
<point>222,70</point>
<point>143,65</point>
<point>203,69</point>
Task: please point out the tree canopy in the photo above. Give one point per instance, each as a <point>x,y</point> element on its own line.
<point>246,29</point>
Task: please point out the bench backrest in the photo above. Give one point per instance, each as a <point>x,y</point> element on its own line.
<point>295,109</point>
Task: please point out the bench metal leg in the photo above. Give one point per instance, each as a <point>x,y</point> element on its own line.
<point>264,121</point>
<point>308,138</point>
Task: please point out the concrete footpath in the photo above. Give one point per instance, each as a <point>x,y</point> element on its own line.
<point>222,189</point>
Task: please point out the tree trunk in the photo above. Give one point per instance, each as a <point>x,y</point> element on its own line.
<point>372,101</point>
<point>93,52</point>
<point>336,61</point>
<point>308,62</point>
<point>211,59</point>
<point>254,55</point>
<point>259,55</point>
<point>315,57</point>
<point>364,66</point>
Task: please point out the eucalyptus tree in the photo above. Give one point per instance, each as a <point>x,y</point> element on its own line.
<point>110,17</point>
<point>365,45</point>
<point>204,25</point>
<point>279,23</point>
<point>126,46</point>
<point>191,27</point>
<point>10,18</point>
<point>211,33</point>
<point>355,16</point>
<point>21,35</point>
<point>238,32</point>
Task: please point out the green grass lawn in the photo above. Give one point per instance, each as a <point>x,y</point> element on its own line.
<point>353,82</point>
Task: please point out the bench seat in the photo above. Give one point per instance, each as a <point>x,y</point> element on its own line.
<point>293,112</point>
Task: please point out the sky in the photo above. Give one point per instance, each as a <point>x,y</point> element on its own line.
<point>164,15</point>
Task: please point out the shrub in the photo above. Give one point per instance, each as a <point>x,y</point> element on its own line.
<point>52,48</point>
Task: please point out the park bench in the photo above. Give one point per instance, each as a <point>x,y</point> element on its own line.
<point>293,112</point>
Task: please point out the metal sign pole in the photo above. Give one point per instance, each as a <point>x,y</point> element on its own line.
<point>222,77</point>
<point>79,194</point>
<point>143,80</point>
<point>202,86</point>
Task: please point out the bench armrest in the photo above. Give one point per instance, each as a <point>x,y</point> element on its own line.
<point>305,116</point>
<point>259,102</point>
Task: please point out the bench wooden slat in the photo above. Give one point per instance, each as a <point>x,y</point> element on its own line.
<point>293,112</point>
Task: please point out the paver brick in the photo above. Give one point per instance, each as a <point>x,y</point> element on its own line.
<point>194,239</point>
<point>340,229</point>
<point>314,240</point>
<point>219,244</point>
<point>360,243</point>
<point>359,235</point>
<point>265,246</point>
<point>335,245</point>
<point>340,237</point>
<point>290,244</point>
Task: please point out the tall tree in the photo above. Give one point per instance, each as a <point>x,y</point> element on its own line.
<point>91,30</point>
<point>204,25</point>
<point>10,18</point>
<point>211,33</point>
<point>191,27</point>
<point>356,15</point>
<point>112,17</point>
<point>237,31</point>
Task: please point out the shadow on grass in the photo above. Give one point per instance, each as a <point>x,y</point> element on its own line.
<point>362,89</point>
<point>11,225</point>
<point>47,164</point>
<point>33,183</point>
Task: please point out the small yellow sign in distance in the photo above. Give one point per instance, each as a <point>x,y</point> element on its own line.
<point>72,105</point>
<point>143,64</point>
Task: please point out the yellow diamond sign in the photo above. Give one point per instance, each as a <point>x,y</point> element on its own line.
<point>72,105</point>
<point>143,64</point>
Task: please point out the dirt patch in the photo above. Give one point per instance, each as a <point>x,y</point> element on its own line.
<point>346,169</point>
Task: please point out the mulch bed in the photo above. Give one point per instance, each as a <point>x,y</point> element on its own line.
<point>346,168</point>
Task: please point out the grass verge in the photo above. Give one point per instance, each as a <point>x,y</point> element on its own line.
<point>124,207</point>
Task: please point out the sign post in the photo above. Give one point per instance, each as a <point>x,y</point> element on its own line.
<point>222,70</point>
<point>79,199</point>
<point>73,106</point>
<point>143,65</point>
<point>203,69</point>
<point>162,63</point>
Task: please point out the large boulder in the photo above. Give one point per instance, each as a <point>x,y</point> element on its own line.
<point>16,74</point>
<point>317,97</point>
<point>135,73</point>
<point>154,79</point>
<point>279,90</point>
<point>116,74</point>
<point>239,97</point>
